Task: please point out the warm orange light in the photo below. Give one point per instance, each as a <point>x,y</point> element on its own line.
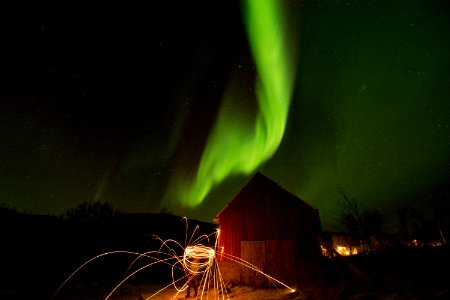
<point>198,258</point>
<point>342,250</point>
<point>221,250</point>
<point>324,250</point>
<point>197,261</point>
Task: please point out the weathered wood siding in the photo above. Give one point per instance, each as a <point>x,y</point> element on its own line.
<point>280,260</point>
<point>263,211</point>
<point>253,251</point>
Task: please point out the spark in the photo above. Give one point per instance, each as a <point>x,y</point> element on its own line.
<point>197,261</point>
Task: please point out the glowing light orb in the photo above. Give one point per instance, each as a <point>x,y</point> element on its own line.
<point>198,258</point>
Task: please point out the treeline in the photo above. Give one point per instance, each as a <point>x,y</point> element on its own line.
<point>369,228</point>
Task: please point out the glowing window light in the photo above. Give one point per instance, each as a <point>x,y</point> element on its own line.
<point>342,250</point>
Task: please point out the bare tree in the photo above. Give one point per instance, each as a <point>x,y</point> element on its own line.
<point>440,202</point>
<point>351,218</point>
<point>361,223</point>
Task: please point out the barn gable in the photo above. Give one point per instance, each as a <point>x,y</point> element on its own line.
<point>264,212</point>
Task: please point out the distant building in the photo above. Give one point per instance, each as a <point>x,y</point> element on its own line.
<point>274,230</point>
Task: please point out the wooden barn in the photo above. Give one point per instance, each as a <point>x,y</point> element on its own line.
<point>274,230</point>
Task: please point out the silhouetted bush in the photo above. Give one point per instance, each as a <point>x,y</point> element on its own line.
<point>91,212</point>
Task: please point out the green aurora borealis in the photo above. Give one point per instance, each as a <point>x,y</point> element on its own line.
<point>370,113</point>
<point>240,143</point>
<point>127,110</point>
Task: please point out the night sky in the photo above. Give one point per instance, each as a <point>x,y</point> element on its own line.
<point>118,102</point>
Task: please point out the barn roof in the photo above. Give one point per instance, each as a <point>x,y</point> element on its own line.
<point>262,180</point>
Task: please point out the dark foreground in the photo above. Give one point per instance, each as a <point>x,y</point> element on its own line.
<point>39,252</point>
<point>395,273</point>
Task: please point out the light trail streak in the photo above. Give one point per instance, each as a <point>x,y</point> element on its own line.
<point>197,260</point>
<point>256,269</point>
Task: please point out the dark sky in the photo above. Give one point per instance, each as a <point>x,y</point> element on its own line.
<point>114,102</point>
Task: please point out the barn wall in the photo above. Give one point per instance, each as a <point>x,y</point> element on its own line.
<point>263,211</point>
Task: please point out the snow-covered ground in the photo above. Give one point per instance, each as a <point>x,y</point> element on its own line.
<point>339,291</point>
<point>237,293</point>
<point>147,291</point>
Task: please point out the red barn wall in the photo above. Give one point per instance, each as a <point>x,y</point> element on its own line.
<point>264,211</point>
